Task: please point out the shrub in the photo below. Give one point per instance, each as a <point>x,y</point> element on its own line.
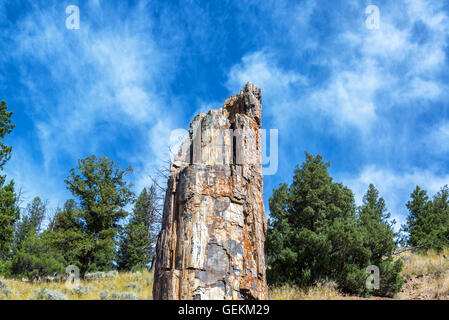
<point>47,294</point>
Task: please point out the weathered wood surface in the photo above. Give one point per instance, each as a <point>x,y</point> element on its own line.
<point>212,241</point>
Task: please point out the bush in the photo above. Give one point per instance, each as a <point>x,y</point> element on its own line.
<point>47,294</point>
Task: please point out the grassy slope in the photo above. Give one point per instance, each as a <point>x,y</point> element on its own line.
<point>140,284</point>
<point>426,277</point>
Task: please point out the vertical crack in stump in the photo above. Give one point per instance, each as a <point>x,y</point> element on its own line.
<point>211,245</point>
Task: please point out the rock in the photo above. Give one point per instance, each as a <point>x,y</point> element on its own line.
<point>211,245</point>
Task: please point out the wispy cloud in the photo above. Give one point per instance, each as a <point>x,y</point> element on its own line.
<point>102,87</point>
<point>395,187</point>
<point>367,92</point>
<point>373,102</point>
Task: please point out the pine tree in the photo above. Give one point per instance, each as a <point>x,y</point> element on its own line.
<point>6,127</point>
<point>31,221</point>
<point>9,211</point>
<point>33,255</point>
<point>137,243</point>
<point>9,214</point>
<point>102,193</point>
<point>303,215</point>
<point>65,234</point>
<point>379,239</point>
<point>428,220</point>
<point>419,208</point>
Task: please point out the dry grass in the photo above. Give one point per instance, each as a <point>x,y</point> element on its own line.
<point>422,264</point>
<point>326,291</point>
<point>426,277</point>
<point>140,284</point>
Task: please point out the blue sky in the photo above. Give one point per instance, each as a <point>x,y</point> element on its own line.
<point>373,102</point>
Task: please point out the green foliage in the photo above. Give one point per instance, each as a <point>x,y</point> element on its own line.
<point>65,234</point>
<point>102,193</point>
<point>9,214</point>
<point>6,127</point>
<point>9,211</point>
<point>137,243</point>
<point>315,234</point>
<point>31,220</point>
<point>428,220</point>
<point>35,259</point>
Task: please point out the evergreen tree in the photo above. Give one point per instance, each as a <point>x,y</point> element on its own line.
<point>379,239</point>
<point>298,248</point>
<point>9,214</point>
<point>35,259</point>
<point>31,220</point>
<point>137,243</point>
<point>314,233</point>
<point>65,234</point>
<point>9,211</point>
<point>428,220</point>
<point>419,208</point>
<point>102,194</point>
<point>33,255</point>
<point>6,127</point>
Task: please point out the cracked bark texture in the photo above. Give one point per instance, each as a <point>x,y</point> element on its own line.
<point>211,245</point>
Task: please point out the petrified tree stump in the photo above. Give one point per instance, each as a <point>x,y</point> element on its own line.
<point>211,245</point>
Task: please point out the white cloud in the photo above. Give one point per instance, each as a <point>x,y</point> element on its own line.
<point>279,86</point>
<point>370,70</point>
<point>395,187</point>
<point>437,141</point>
<point>349,98</point>
<point>100,84</point>
<point>261,67</point>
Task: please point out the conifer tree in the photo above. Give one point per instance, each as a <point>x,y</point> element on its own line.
<point>33,257</point>
<point>137,243</point>
<point>379,239</point>
<point>31,221</point>
<point>428,221</point>
<point>9,210</point>
<point>102,193</point>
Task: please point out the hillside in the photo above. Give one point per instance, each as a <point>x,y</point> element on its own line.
<point>426,277</point>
